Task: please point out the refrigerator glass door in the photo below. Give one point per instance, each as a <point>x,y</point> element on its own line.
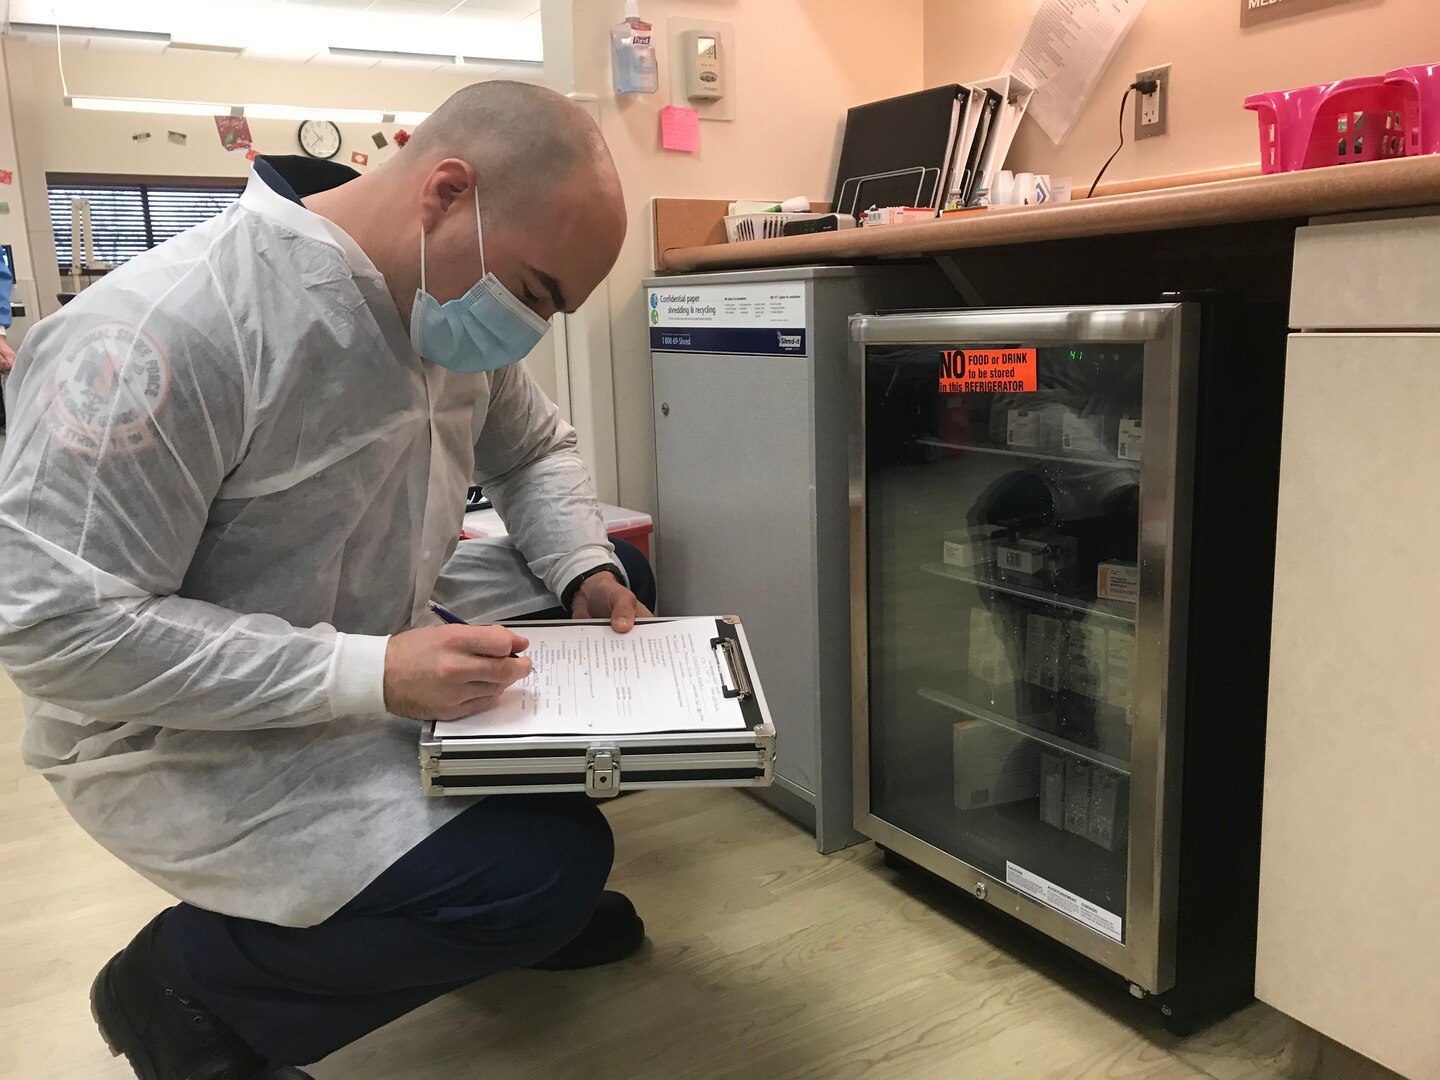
<point>1019,626</point>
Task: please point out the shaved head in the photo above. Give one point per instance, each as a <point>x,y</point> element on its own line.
<point>534,166</point>
<point>523,141</point>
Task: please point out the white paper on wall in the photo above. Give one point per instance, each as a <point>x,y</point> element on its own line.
<point>1065,51</point>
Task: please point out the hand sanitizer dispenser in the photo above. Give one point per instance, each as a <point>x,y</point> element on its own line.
<point>632,54</point>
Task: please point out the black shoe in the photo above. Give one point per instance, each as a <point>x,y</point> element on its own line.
<point>163,1035</point>
<point>614,932</point>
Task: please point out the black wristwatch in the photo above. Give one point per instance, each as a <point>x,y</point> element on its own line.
<point>567,598</point>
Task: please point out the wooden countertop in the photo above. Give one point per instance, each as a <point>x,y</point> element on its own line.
<point>1378,185</point>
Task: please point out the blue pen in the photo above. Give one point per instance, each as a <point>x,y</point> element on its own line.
<point>455,620</point>
<point>448,615</point>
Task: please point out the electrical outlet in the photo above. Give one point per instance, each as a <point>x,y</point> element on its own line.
<point>1152,111</point>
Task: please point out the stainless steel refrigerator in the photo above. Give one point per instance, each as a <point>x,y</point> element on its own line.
<point>1062,550</point>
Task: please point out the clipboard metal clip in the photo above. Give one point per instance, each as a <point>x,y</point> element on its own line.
<point>739,678</point>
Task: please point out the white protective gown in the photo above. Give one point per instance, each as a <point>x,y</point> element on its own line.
<point>228,478</point>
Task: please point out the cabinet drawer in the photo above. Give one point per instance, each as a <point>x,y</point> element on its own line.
<point>1368,275</point>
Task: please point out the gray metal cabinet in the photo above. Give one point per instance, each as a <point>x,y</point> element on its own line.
<point>752,421</point>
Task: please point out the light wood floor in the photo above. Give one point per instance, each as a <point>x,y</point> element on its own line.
<point>766,960</point>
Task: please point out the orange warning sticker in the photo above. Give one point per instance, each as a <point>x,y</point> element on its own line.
<point>988,371</point>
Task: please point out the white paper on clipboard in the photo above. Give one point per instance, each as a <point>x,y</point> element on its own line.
<point>1066,49</point>
<point>589,680</point>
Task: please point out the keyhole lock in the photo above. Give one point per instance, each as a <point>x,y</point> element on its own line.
<point>980,891</point>
<point>664,408</point>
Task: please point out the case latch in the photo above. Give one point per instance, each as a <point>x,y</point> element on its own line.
<point>602,772</point>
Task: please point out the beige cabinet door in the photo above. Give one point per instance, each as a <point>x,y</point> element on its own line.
<point>1349,938</point>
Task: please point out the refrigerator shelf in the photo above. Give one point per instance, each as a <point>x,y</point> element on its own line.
<point>1109,609</point>
<point>1035,455</point>
<point>1029,731</point>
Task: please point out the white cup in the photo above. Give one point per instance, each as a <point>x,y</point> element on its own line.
<point>1002,188</point>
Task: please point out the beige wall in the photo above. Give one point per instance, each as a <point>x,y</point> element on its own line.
<point>54,138</point>
<point>797,66</point>
<point>1215,66</point>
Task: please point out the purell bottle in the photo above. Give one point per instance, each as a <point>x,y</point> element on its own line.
<point>632,54</point>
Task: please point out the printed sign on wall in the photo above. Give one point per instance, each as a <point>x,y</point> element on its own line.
<point>1256,12</point>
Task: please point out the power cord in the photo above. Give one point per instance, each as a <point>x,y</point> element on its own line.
<point>1145,86</point>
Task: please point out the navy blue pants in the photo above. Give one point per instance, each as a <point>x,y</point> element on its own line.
<point>499,887</point>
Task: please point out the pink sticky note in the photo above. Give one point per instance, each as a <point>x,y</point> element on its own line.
<point>6,176</point>
<point>680,128</point>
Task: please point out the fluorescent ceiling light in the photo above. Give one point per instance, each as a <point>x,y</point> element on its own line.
<point>254,112</point>
<point>89,31</point>
<point>200,46</point>
<point>303,29</point>
<point>393,54</point>
<point>502,62</point>
<point>313,112</point>
<point>149,105</point>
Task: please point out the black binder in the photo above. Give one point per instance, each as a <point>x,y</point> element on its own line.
<point>896,152</point>
<point>973,179</point>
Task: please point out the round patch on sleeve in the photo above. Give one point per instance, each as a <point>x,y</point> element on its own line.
<point>109,384</point>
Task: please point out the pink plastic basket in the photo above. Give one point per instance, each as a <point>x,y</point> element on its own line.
<point>1419,88</point>
<point>1330,124</point>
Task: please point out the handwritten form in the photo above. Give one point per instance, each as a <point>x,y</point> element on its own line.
<point>1065,52</point>
<point>589,680</point>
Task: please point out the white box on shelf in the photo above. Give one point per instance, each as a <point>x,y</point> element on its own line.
<point>1023,556</point>
<point>991,661</point>
<point>993,765</point>
<point>1022,429</point>
<point>1120,669</point>
<point>1109,802</point>
<point>1044,644</point>
<point>1077,796</point>
<point>1116,579</point>
<point>1061,551</point>
<point>1082,435</point>
<point>1085,648</point>
<point>1052,789</point>
<point>1050,426</point>
<point>1132,440</point>
<point>966,549</point>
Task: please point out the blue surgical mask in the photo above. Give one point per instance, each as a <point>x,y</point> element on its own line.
<point>485,329</point>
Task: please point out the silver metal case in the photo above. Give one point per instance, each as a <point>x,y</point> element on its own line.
<point>604,767</point>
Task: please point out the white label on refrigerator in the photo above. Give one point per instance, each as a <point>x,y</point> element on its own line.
<point>1064,901</point>
<point>763,319</point>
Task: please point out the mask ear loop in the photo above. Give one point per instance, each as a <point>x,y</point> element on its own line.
<point>479,232</point>
<point>422,259</point>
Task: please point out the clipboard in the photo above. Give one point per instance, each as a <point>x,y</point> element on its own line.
<point>603,766</point>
